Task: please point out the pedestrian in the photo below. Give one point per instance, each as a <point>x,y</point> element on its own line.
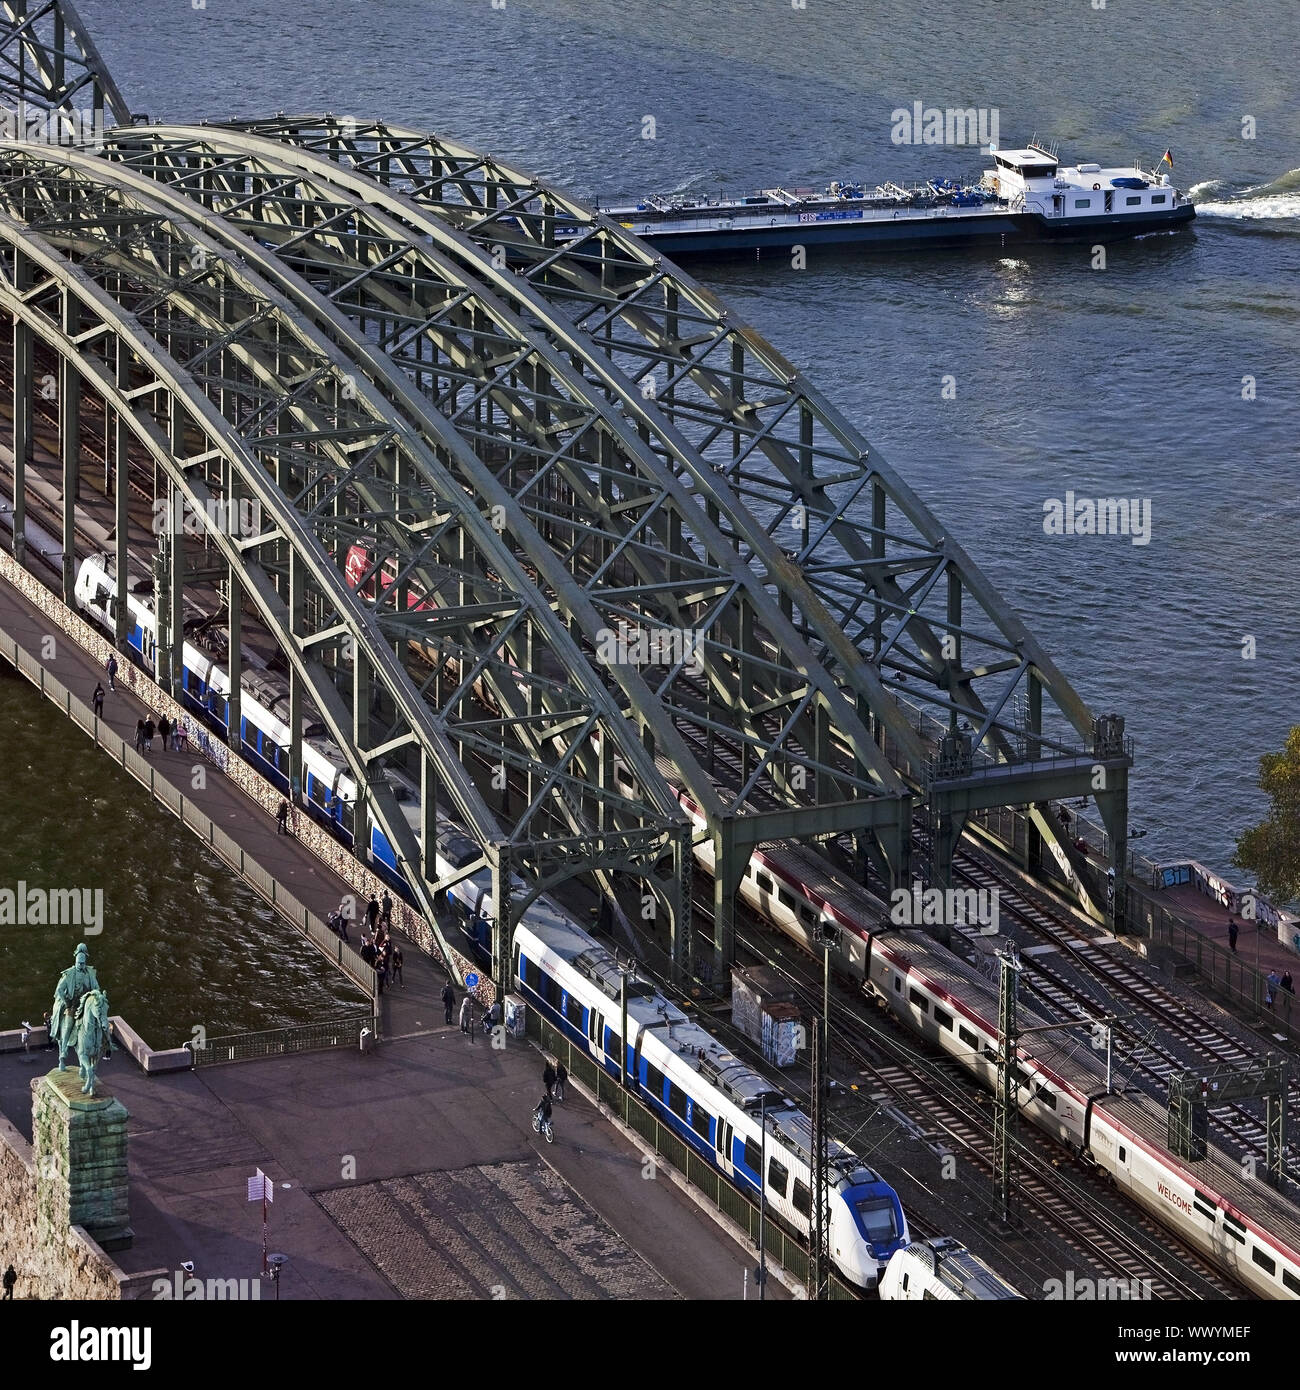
<point>386,909</point>
<point>112,672</point>
<point>139,735</point>
<point>1233,930</point>
<point>97,699</point>
<point>368,952</point>
<point>10,1279</point>
<point>548,1078</point>
<point>49,1037</point>
<point>180,737</point>
<point>1287,983</point>
<point>381,968</point>
<point>164,728</point>
<point>372,911</point>
<point>467,1015</point>
<point>448,1000</point>
<point>1271,984</point>
<point>561,1076</point>
<point>150,728</point>
<point>282,818</point>
<point>397,965</point>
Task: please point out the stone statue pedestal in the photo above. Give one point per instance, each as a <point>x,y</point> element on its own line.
<point>80,1151</point>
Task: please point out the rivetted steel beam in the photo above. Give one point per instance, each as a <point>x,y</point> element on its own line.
<point>604,279</point>
<point>26,175</point>
<point>186,175</point>
<point>49,62</point>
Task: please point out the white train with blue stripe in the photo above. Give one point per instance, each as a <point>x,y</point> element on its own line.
<point>710,1098</point>
<point>329,790</point>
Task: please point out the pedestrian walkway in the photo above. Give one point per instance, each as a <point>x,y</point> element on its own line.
<point>411,1171</point>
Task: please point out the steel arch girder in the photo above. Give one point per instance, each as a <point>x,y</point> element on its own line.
<point>622,848</point>
<point>69,279</point>
<point>344,137</point>
<point>209,136</point>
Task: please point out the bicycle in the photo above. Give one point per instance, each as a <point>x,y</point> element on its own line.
<point>542,1125</point>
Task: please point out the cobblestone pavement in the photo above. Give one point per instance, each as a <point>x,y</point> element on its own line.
<point>502,1230</point>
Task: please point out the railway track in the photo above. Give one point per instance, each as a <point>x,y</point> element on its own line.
<point>1077,1205</point>
<point>1126,990</point>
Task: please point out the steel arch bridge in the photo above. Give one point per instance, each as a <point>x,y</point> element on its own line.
<point>545,442</point>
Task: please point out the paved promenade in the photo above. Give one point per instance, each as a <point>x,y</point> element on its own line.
<point>408,1172</point>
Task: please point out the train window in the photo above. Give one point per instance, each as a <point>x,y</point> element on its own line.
<point>807,914</point>
<point>700,1120</point>
<point>943,1018</point>
<point>573,1011</point>
<point>552,992</point>
<point>802,1197</point>
<point>764,883</point>
<point>919,999</point>
<point>967,1036</point>
<point>1236,1235</point>
<point>1123,1154</point>
<point>1266,1262</point>
<point>753,1156</point>
<point>1047,1096</point>
<point>654,1081</point>
<point>778,1177</point>
<point>1290,1281</point>
<point>787,899</point>
<point>613,1044</point>
<point>677,1100</point>
<point>898,985</point>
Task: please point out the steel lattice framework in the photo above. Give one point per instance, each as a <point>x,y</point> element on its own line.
<point>553,443</point>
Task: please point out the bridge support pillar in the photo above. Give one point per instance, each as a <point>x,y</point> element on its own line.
<point>22,411</point>
<point>729,861</point>
<point>70,450</point>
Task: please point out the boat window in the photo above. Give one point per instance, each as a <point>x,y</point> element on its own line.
<point>1132,202</point>
<point>1157,197</point>
<point>1083,203</point>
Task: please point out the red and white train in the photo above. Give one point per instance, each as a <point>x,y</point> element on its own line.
<point>1242,1225</point>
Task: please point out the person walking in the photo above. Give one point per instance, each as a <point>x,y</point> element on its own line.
<point>10,1279</point>
<point>561,1076</point>
<point>1233,932</point>
<point>111,667</point>
<point>164,728</point>
<point>139,735</point>
<point>386,909</point>
<point>282,818</point>
<point>448,1000</point>
<point>548,1079</point>
<point>397,965</point>
<point>97,699</point>
<point>1287,983</point>
<point>1271,983</point>
<point>467,1016</point>
<point>372,912</point>
<point>150,728</point>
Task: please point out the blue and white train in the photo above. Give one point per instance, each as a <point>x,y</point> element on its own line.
<point>328,786</point>
<point>711,1099</point>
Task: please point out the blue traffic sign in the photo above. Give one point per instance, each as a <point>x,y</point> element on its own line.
<point>471,980</point>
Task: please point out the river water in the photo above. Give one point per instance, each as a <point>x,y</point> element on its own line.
<point>1126,381</point>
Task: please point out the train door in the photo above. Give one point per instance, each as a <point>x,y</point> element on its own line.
<point>722,1139</point>
<point>596,1035</point>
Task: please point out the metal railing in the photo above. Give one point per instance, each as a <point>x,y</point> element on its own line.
<point>282,1042</point>
<point>783,1248</point>
<point>263,883</point>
